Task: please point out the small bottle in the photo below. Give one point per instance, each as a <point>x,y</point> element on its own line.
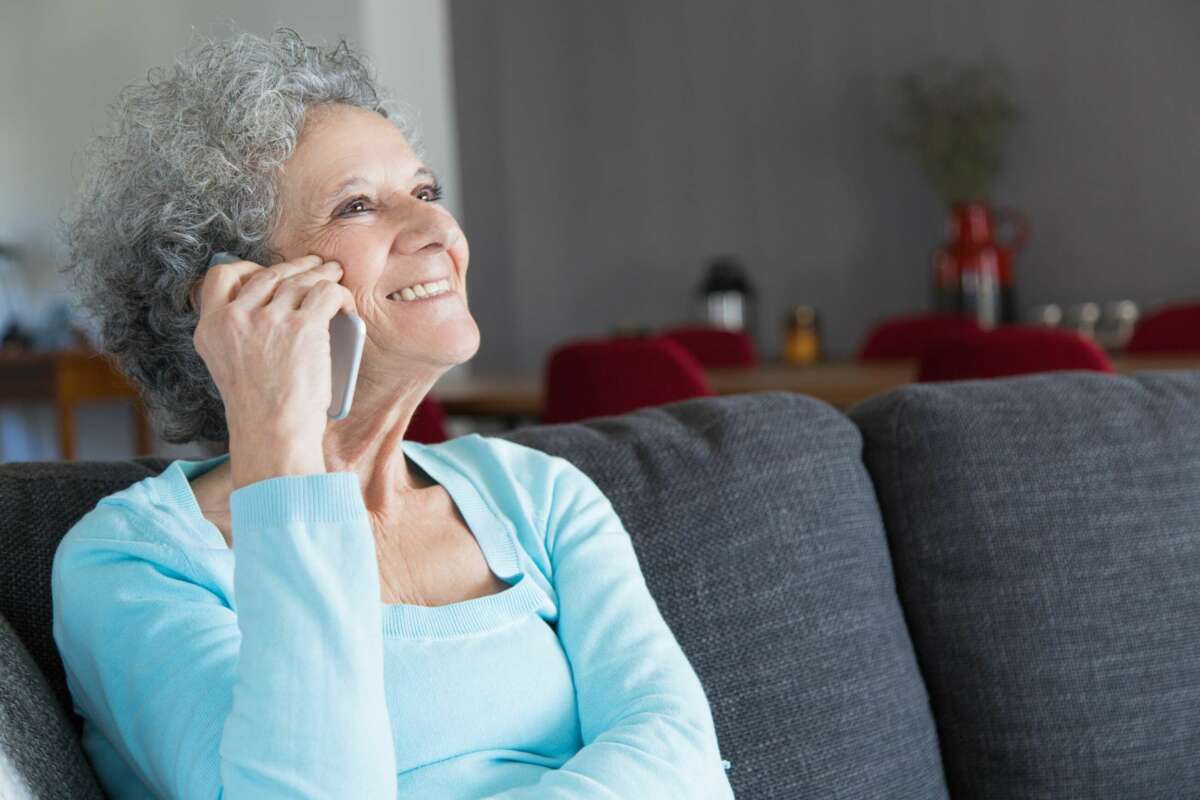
<point>1083,317</point>
<point>1048,315</point>
<point>801,337</point>
<point>1116,324</point>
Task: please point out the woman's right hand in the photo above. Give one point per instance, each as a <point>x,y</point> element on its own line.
<point>264,335</point>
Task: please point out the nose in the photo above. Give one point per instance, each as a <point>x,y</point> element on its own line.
<point>429,231</point>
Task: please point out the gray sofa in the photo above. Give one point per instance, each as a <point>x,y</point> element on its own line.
<point>985,589</point>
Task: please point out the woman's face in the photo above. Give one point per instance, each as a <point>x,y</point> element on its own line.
<point>354,192</point>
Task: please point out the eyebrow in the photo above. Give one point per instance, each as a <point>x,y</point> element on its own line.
<point>355,180</point>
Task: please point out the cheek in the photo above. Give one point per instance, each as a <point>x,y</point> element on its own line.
<point>461,254</point>
<point>333,242</point>
<point>356,250</point>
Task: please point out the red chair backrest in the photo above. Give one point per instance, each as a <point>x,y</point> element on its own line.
<point>714,347</point>
<point>1171,329</point>
<point>1010,350</point>
<point>906,337</point>
<point>603,377</point>
<point>428,425</point>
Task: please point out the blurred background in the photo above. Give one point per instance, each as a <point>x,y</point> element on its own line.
<point>850,190</point>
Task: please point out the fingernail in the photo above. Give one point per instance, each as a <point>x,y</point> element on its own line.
<point>333,264</point>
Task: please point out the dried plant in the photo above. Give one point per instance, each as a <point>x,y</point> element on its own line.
<point>954,119</point>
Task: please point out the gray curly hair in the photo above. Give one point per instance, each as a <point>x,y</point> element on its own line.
<point>189,168</point>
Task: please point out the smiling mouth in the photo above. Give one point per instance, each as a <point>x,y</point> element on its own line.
<point>427,291</point>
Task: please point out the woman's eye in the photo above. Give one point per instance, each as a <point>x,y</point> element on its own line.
<point>351,207</point>
<point>430,193</point>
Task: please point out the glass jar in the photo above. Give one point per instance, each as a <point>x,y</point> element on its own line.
<point>801,336</point>
<point>726,297</point>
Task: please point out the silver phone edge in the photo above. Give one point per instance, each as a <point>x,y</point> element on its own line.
<point>351,377</point>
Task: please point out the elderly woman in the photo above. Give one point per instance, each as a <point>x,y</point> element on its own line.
<point>328,610</point>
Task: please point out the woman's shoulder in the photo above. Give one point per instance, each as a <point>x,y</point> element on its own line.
<point>132,521</point>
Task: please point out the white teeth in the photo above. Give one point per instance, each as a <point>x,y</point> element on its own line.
<point>420,290</point>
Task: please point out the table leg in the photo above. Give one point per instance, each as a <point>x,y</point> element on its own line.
<point>141,429</point>
<point>65,413</point>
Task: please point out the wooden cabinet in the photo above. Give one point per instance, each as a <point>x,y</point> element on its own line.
<point>69,379</point>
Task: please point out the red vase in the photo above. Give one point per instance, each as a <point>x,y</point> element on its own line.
<point>972,272</point>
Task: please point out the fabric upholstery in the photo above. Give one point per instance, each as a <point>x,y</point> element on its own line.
<point>907,336</point>
<point>39,502</point>
<point>714,347</point>
<point>428,425</point>
<point>40,755</point>
<point>1010,350</point>
<point>1171,329</point>
<point>759,535</point>
<point>600,377</point>
<point>1045,532</point>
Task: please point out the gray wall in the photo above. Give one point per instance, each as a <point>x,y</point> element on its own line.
<point>608,150</point>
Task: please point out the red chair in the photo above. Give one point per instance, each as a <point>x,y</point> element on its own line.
<point>604,377</point>
<point>1010,350</point>
<point>428,425</point>
<point>906,337</point>
<point>714,347</point>
<point>1171,329</point>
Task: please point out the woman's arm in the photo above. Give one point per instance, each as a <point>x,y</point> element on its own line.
<point>646,724</point>
<point>285,698</point>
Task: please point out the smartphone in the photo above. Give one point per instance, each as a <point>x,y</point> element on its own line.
<point>347,332</point>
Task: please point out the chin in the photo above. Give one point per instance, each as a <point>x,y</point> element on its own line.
<point>455,346</point>
<point>466,353</point>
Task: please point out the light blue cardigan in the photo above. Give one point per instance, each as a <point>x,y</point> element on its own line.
<point>288,677</point>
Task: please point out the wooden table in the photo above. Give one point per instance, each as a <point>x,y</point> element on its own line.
<point>68,379</point>
<point>839,383</point>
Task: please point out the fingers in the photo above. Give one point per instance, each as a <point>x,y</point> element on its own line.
<point>327,298</point>
<point>290,291</point>
<point>225,282</point>
<point>261,285</point>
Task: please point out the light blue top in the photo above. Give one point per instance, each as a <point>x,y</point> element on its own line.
<point>288,677</point>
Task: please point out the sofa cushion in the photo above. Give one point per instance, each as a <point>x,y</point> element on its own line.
<point>758,532</point>
<point>39,502</point>
<point>40,756</point>
<point>1045,533</point>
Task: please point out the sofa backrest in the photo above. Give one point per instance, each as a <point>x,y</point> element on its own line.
<point>1045,536</point>
<point>39,502</point>
<point>40,755</point>
<point>759,534</point>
